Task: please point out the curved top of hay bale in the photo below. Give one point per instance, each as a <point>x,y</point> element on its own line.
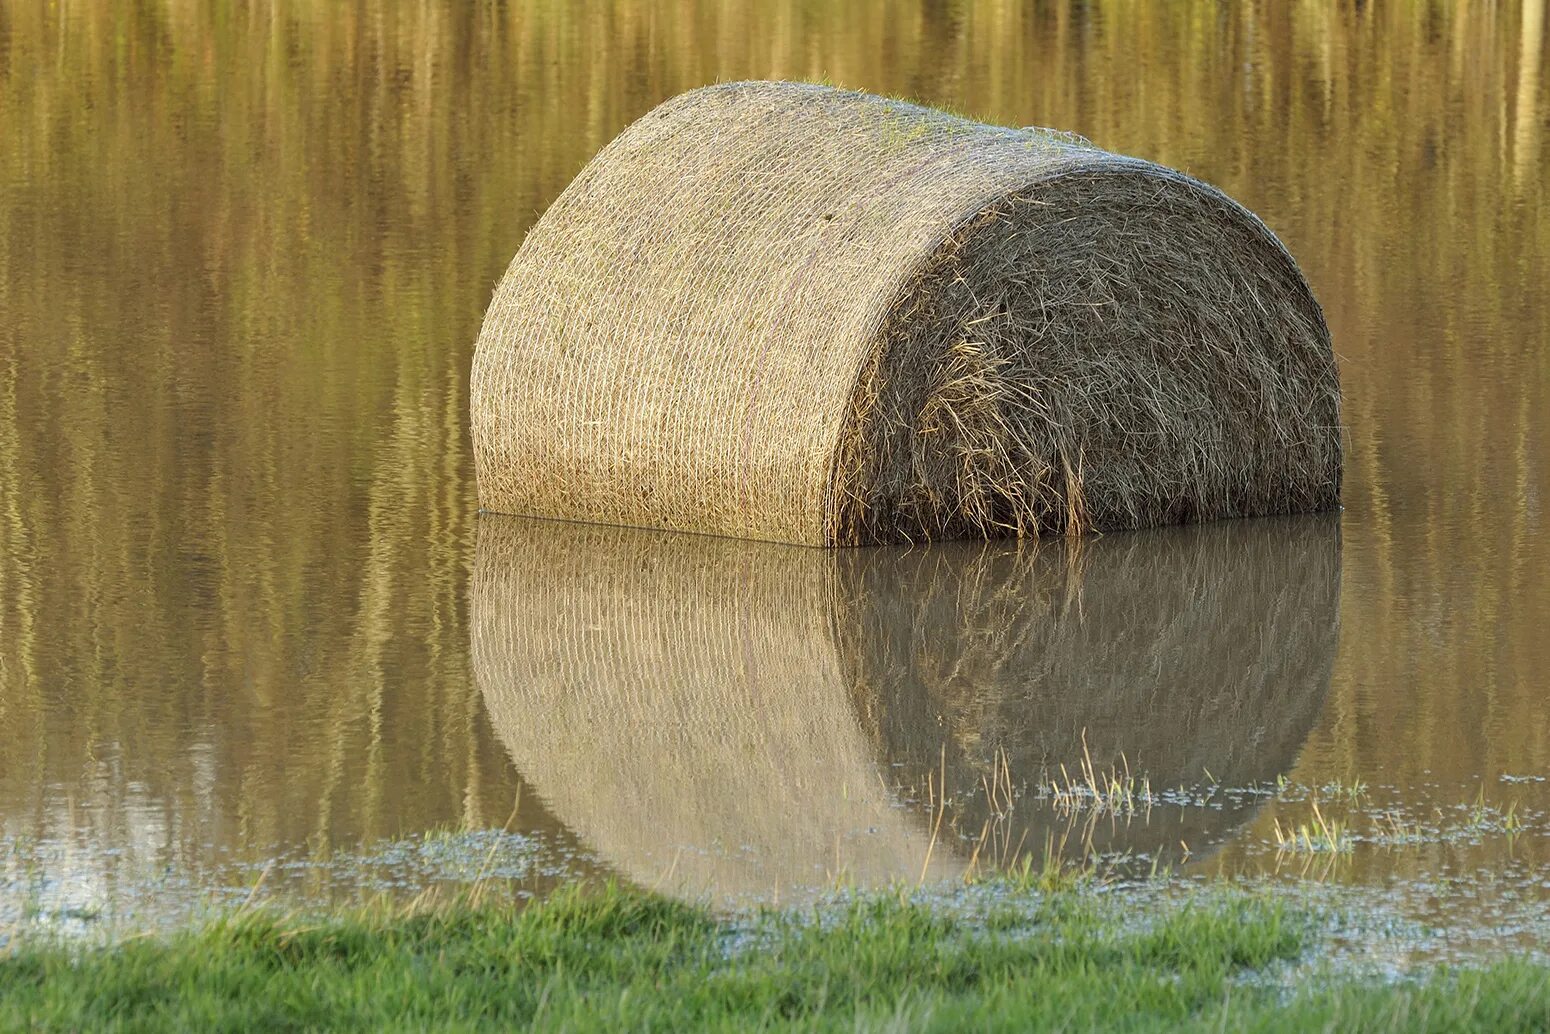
<point>739,719</point>
<point>792,312</point>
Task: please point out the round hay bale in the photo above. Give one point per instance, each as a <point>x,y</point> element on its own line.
<point>790,312</point>
<point>734,720</point>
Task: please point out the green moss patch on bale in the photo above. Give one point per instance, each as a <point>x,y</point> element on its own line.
<point>790,312</point>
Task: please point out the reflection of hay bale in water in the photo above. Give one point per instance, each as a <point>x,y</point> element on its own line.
<point>717,715</point>
<point>678,702</point>
<point>1188,655</point>
<point>791,312</point>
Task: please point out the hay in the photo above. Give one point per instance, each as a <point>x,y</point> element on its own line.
<point>790,312</point>
<point>739,719</point>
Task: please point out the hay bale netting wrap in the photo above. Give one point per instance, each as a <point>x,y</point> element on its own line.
<point>791,312</point>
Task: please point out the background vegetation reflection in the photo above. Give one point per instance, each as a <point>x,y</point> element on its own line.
<point>243,256</point>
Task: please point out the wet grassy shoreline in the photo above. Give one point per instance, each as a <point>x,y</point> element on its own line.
<point>1009,957</point>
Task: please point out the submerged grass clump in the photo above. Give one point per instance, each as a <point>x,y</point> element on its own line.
<point>611,959</point>
<point>1343,816</point>
<point>1116,791</point>
<point>786,311</point>
<point>1317,834</point>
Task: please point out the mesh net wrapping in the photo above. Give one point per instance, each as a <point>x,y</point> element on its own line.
<point>790,312</point>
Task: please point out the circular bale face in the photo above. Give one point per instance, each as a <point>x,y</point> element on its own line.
<point>789,312</point>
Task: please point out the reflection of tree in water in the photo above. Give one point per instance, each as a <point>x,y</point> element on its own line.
<point>711,715</point>
<point>1185,656</point>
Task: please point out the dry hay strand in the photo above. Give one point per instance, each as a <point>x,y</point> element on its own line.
<point>789,312</point>
<point>741,720</point>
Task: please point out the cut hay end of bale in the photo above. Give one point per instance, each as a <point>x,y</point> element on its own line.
<point>791,312</point>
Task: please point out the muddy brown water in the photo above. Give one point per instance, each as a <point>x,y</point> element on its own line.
<point>252,630</point>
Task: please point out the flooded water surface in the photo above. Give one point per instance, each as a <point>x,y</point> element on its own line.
<point>256,640</point>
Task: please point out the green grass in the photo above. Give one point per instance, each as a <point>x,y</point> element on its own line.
<point>1318,834</point>
<point>609,959</point>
